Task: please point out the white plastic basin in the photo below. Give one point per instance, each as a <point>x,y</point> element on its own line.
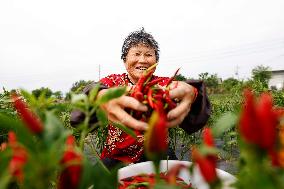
<point>196,179</point>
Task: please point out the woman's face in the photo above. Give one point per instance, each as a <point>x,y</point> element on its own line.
<point>138,59</point>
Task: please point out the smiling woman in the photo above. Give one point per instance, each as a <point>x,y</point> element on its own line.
<point>140,51</point>
<point>138,60</point>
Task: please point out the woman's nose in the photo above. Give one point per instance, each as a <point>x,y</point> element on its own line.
<point>142,58</point>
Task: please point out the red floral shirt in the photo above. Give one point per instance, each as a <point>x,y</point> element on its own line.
<point>119,145</point>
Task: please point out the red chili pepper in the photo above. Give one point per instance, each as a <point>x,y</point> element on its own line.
<point>267,122</point>
<point>28,117</point>
<point>274,158</point>
<point>173,173</point>
<point>159,107</point>
<point>72,161</point>
<point>155,81</point>
<point>138,89</point>
<point>248,123</point>
<point>142,81</point>
<point>258,121</point>
<point>169,101</point>
<point>172,78</point>
<point>151,83</point>
<point>150,98</point>
<point>206,165</point>
<point>138,95</point>
<point>156,135</point>
<point>19,157</point>
<point>208,137</point>
<point>158,97</point>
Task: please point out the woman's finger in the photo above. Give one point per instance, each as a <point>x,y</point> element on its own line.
<point>127,120</point>
<point>183,107</point>
<point>183,90</point>
<point>130,102</point>
<point>175,122</point>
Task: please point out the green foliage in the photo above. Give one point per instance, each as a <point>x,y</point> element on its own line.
<point>229,84</point>
<point>224,123</point>
<point>45,149</point>
<point>182,142</point>
<point>180,77</point>
<point>6,104</point>
<point>6,107</point>
<point>225,105</point>
<point>211,81</point>
<point>261,74</point>
<point>78,86</point>
<point>111,94</point>
<point>278,97</point>
<point>43,91</point>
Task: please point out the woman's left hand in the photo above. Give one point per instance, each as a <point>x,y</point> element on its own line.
<point>184,94</point>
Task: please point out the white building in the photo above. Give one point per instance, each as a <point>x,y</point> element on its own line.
<point>277,79</point>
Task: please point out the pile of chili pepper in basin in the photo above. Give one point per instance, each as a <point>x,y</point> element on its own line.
<point>144,181</point>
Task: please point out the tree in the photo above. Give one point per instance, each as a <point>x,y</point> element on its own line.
<point>47,92</point>
<point>262,74</point>
<point>211,81</point>
<point>78,86</point>
<point>229,83</point>
<point>203,76</point>
<point>57,94</point>
<point>180,77</point>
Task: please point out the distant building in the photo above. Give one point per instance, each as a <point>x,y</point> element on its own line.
<point>277,80</point>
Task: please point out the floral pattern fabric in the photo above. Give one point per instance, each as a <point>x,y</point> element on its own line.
<point>119,145</point>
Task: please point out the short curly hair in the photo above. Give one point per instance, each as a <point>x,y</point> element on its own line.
<point>138,37</point>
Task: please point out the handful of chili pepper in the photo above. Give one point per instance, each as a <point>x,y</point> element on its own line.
<point>150,93</point>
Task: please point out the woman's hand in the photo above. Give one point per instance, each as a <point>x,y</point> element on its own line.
<point>184,94</point>
<point>115,110</point>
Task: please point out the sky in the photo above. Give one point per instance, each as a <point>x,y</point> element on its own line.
<point>58,42</point>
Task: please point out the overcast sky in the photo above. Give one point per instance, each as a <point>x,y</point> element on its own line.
<point>58,42</point>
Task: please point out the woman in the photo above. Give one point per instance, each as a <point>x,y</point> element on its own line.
<point>139,52</point>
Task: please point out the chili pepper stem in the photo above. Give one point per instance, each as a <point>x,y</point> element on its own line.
<point>157,170</point>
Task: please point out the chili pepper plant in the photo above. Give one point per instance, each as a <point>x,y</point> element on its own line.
<point>41,153</point>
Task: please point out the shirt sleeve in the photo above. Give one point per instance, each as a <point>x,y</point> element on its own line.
<point>200,109</point>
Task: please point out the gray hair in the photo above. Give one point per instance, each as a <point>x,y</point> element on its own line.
<point>138,37</point>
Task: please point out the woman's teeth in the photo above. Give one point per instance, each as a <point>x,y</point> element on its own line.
<point>142,68</point>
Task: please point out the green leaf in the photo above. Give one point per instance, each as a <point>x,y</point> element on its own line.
<point>5,178</point>
<point>75,98</point>
<point>53,128</point>
<point>102,117</point>
<point>165,186</point>
<point>125,129</point>
<point>94,92</point>
<point>103,178</point>
<point>227,121</point>
<point>23,134</point>
<point>111,94</point>
<point>205,150</point>
<point>31,98</point>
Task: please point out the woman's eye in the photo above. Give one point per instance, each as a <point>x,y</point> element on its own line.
<point>137,54</point>
<point>149,55</point>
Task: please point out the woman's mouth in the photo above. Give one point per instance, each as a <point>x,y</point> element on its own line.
<point>142,68</point>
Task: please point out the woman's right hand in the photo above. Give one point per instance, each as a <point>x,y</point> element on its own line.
<point>115,110</point>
